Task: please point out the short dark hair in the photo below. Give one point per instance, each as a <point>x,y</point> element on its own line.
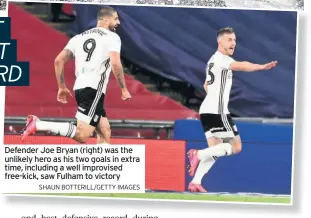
<point>225,30</point>
<point>105,11</point>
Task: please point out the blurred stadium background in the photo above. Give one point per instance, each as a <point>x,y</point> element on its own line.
<point>164,58</point>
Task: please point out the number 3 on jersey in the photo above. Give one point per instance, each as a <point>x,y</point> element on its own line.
<point>89,47</point>
<point>210,73</point>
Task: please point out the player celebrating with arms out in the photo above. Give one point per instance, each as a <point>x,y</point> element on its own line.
<point>96,52</point>
<point>221,133</point>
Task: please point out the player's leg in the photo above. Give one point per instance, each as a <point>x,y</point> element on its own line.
<point>236,141</point>
<point>84,131</point>
<point>211,123</point>
<point>103,128</point>
<point>207,158</point>
<point>227,147</point>
<point>193,154</point>
<point>197,167</point>
<point>87,119</point>
<point>207,162</point>
<point>232,136</point>
<point>80,132</point>
<point>204,159</point>
<point>203,167</point>
<point>213,141</point>
<point>103,131</point>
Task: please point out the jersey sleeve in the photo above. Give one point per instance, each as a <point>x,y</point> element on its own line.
<point>115,44</point>
<point>71,46</point>
<point>227,61</point>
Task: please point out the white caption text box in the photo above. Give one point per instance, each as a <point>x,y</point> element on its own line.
<point>73,169</point>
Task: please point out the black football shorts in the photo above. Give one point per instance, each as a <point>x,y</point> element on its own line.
<point>90,105</point>
<point>218,125</point>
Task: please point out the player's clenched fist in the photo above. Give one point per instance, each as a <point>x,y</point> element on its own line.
<point>62,95</point>
<point>125,95</point>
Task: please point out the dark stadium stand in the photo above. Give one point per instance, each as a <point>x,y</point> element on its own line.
<point>176,43</point>
<point>39,44</point>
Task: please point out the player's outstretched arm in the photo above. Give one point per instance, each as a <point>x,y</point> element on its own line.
<point>250,67</point>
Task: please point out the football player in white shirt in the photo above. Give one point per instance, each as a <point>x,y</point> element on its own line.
<point>96,52</point>
<point>221,133</point>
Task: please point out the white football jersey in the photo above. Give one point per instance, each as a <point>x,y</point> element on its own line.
<point>219,82</point>
<point>92,63</point>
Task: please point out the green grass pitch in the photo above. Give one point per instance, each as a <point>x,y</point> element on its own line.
<point>188,197</point>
